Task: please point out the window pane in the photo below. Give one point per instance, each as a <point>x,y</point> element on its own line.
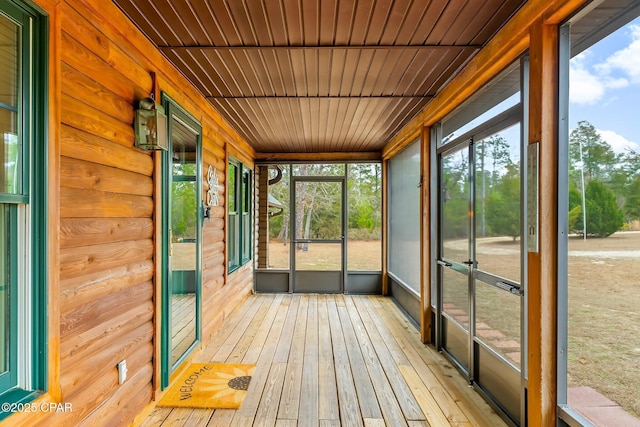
<point>404,216</point>
<point>232,245</point>
<point>9,62</point>
<point>231,188</point>
<point>364,193</point>
<point>183,211</point>
<point>246,190</point>
<point>319,257</point>
<point>10,153</point>
<point>455,206</point>
<point>604,212</point>
<point>455,296</point>
<point>318,210</point>
<point>495,97</point>
<point>11,175</point>
<point>246,237</point>
<point>5,283</point>
<point>497,187</point>
<point>310,169</point>
<point>278,214</point>
<point>498,321</point>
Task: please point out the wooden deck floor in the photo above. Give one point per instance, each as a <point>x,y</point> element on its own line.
<point>334,360</point>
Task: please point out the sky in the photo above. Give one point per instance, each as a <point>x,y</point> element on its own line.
<point>605,88</point>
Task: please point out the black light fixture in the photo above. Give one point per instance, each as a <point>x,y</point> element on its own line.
<point>150,126</point>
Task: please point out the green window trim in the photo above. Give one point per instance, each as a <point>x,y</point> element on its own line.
<point>239,209</point>
<point>27,200</point>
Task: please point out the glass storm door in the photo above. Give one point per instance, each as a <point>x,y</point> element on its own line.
<point>455,254</point>
<point>479,263</point>
<point>183,224</point>
<point>318,241</point>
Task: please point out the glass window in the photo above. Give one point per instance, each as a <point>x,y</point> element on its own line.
<point>404,216</point>
<point>364,233</point>
<point>603,210</point>
<point>21,74</point>
<point>246,214</point>
<point>500,94</point>
<point>279,179</point>
<point>318,169</point>
<point>239,214</point>
<point>497,210</point>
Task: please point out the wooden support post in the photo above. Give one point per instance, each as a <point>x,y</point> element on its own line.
<point>425,235</point>
<point>53,208</point>
<point>542,273</point>
<point>385,228</point>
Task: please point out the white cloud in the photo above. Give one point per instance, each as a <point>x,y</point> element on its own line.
<point>619,70</point>
<point>585,87</point>
<point>625,61</point>
<point>618,143</point>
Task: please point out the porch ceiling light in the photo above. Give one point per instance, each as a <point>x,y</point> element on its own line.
<point>150,126</point>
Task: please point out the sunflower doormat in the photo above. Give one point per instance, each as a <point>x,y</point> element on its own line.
<point>209,386</point>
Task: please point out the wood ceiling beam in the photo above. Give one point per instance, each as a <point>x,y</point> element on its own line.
<point>322,47</point>
<point>321,97</point>
<point>360,156</point>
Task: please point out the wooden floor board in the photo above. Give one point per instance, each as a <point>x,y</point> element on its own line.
<point>347,396</point>
<point>328,409</point>
<point>368,402</point>
<point>333,360</point>
<point>309,395</point>
<point>386,361</point>
<point>268,409</point>
<point>221,418</point>
<point>290,399</point>
<point>230,324</point>
<point>239,340</point>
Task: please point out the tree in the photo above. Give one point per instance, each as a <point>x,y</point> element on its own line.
<point>364,196</point>
<point>632,202</point>
<point>493,156</point>
<point>455,195</point>
<point>631,192</point>
<point>604,217</point>
<point>503,205</point>
<point>598,158</point>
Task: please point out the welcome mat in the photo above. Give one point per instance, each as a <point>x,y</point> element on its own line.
<point>210,386</point>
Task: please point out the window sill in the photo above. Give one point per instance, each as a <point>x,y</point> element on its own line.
<point>16,398</point>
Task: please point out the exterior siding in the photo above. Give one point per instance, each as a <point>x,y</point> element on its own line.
<point>107,289</point>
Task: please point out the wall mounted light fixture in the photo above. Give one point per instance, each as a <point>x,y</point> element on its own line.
<point>150,126</point>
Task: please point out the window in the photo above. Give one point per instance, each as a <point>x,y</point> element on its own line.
<point>246,215</point>
<point>239,210</point>
<point>404,217</point>
<point>21,202</point>
<point>600,213</point>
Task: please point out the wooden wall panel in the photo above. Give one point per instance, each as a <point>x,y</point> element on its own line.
<point>103,218</point>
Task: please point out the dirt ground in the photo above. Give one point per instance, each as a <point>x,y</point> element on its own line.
<point>604,303</point>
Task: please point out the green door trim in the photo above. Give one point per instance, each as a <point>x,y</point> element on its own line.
<point>173,109</point>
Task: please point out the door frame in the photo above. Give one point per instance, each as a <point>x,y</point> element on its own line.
<point>477,350</point>
<point>293,241</point>
<point>172,109</point>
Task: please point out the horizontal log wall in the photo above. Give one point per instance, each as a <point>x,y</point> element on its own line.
<point>103,204</point>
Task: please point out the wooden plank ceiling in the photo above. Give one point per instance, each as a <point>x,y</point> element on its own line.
<point>312,76</point>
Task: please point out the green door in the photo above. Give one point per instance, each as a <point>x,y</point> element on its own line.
<point>182,233</point>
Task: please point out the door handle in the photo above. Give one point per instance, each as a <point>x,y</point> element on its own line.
<point>444,263</point>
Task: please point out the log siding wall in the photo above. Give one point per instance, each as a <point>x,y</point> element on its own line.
<point>104,280</point>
